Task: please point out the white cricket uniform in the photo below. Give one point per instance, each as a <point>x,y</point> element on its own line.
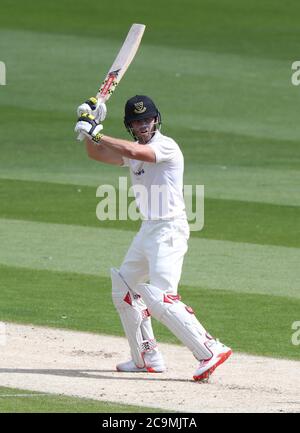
<point>157,251</point>
<point>156,256</point>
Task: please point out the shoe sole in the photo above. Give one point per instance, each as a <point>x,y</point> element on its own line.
<point>141,370</point>
<point>207,373</point>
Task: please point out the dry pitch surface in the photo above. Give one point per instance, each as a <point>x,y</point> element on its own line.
<point>83,364</point>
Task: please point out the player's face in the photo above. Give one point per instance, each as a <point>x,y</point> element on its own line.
<point>143,129</point>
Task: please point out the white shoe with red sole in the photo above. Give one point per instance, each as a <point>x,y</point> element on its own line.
<point>130,367</point>
<point>154,363</point>
<point>206,368</point>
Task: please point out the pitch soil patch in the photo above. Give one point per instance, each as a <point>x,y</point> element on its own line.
<point>83,365</point>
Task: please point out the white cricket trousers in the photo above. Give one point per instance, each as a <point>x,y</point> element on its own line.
<point>156,254</point>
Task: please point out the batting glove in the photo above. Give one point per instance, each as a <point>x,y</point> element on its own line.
<point>87,126</point>
<point>95,107</point>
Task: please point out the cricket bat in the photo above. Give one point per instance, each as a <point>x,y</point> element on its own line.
<point>122,62</point>
<point>120,65</point>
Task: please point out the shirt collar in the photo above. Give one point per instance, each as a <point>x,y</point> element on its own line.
<point>155,137</point>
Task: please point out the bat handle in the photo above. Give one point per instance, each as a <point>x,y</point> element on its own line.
<point>101,98</point>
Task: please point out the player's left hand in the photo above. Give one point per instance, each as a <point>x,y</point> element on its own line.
<point>87,126</point>
<point>95,107</point>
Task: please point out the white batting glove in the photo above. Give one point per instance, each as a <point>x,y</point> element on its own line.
<point>95,107</point>
<point>87,126</point>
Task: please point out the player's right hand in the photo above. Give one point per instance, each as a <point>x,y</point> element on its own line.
<point>95,107</point>
<point>87,126</point>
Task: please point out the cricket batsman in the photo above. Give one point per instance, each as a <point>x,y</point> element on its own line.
<point>146,283</point>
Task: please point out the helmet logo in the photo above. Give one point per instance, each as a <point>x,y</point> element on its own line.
<point>139,108</point>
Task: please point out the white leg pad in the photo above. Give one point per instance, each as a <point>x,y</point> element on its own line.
<point>132,315</point>
<point>146,325</point>
<point>179,319</point>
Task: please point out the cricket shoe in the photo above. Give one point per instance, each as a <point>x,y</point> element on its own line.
<point>207,367</point>
<point>154,363</point>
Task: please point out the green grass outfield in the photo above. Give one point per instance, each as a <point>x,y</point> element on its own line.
<point>220,72</point>
<point>20,401</point>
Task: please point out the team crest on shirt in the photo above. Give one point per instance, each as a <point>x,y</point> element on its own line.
<point>139,108</point>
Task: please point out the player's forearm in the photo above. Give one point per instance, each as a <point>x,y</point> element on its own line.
<point>100,153</point>
<point>128,149</point>
<point>122,147</point>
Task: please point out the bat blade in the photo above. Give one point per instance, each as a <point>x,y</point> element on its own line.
<point>122,62</point>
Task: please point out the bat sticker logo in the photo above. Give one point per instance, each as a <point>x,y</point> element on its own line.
<point>109,85</point>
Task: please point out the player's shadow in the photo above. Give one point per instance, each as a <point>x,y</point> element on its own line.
<point>91,374</point>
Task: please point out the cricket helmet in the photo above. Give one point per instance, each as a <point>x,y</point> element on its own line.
<point>140,107</point>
